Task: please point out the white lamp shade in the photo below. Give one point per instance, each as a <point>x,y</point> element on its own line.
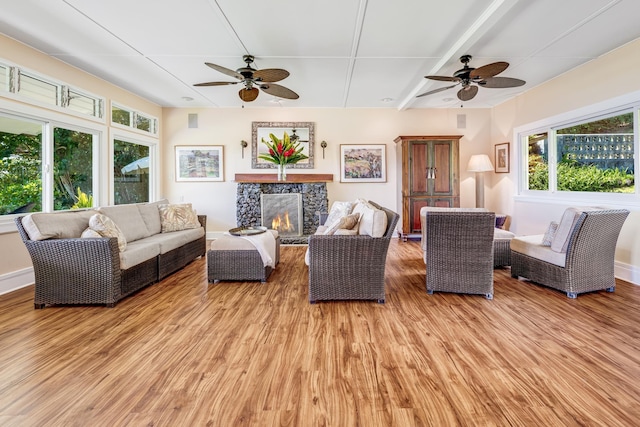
<point>479,163</point>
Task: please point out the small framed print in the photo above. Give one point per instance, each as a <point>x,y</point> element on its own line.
<point>199,163</point>
<point>363,163</point>
<point>502,158</point>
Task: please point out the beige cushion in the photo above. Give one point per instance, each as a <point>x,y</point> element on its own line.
<point>532,246</point>
<point>105,227</point>
<point>227,242</point>
<point>550,233</point>
<point>347,223</point>
<point>373,222</point>
<point>137,252</point>
<point>169,241</point>
<point>499,233</point>
<point>338,211</point>
<point>151,216</point>
<point>57,225</point>
<point>345,232</point>
<point>178,217</point>
<point>128,219</point>
<point>567,222</point>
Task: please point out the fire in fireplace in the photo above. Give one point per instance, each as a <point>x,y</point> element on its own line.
<point>282,212</point>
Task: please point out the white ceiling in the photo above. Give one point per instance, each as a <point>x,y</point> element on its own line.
<point>340,53</point>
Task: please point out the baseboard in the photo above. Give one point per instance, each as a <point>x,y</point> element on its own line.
<point>16,279</point>
<point>626,272</point>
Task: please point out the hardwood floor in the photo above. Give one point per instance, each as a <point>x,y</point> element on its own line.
<point>186,353</point>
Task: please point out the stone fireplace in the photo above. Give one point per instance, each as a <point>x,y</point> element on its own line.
<point>313,196</point>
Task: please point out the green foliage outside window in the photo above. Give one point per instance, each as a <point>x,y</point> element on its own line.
<point>575,177</point>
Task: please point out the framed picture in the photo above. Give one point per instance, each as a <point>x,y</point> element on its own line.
<point>363,163</point>
<point>501,160</point>
<point>199,163</point>
<point>303,131</point>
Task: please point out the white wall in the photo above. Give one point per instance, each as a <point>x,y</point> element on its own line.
<point>228,127</point>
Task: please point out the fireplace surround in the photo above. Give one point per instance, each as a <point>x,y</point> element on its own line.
<point>248,203</point>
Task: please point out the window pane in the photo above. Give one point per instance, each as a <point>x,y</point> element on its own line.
<point>130,172</point>
<point>20,166</point>
<point>4,78</point>
<point>538,161</point>
<point>118,115</point>
<point>72,172</point>
<point>143,123</point>
<point>597,156</point>
<point>83,104</point>
<point>38,90</point>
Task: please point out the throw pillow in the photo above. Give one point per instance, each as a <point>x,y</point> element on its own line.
<point>102,226</point>
<point>345,223</point>
<point>550,233</point>
<point>178,217</point>
<point>338,210</point>
<point>373,222</point>
<point>560,240</point>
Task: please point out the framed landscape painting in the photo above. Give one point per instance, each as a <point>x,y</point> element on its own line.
<point>199,163</point>
<point>363,163</point>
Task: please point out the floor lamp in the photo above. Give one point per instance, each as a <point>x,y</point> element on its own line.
<point>479,163</point>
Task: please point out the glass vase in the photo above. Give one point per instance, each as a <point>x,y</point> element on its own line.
<point>282,172</point>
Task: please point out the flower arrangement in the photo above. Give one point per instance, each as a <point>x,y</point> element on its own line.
<point>283,151</point>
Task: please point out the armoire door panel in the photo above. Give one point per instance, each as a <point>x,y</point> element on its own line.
<point>416,205</point>
<point>442,164</point>
<point>418,169</point>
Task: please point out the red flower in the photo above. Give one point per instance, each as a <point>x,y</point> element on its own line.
<point>289,152</point>
<point>272,152</point>
<point>280,148</point>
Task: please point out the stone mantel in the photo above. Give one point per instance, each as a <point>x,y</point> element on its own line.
<point>272,178</point>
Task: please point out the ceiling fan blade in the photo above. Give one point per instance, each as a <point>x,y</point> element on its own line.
<point>215,83</point>
<point>279,91</point>
<point>225,70</point>
<point>488,70</point>
<point>248,95</point>
<point>271,75</point>
<point>431,92</point>
<point>443,78</point>
<point>467,93</point>
<point>501,82</point>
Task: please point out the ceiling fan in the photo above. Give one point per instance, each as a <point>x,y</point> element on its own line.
<point>254,79</point>
<point>471,78</point>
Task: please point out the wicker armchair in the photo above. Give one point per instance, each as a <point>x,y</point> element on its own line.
<point>349,267</point>
<point>589,259</point>
<point>459,251</point>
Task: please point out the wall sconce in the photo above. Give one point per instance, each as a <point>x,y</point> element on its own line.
<point>323,144</point>
<point>479,163</point>
<point>244,144</point>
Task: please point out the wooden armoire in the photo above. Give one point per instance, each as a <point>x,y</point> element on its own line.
<point>429,176</point>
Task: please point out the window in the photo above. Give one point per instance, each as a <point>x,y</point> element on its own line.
<point>20,165</point>
<point>133,119</point>
<point>592,156</point>
<point>42,90</point>
<point>37,89</point>
<point>131,171</point>
<point>4,78</point>
<point>72,171</point>
<point>596,156</point>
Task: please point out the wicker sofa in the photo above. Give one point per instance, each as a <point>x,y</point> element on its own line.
<point>350,267</point>
<point>70,269</point>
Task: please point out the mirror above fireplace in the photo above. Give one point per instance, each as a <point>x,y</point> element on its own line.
<point>304,131</point>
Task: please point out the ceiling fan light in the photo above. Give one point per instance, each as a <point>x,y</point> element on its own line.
<point>248,94</point>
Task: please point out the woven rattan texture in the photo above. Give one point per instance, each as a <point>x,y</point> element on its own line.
<point>590,256</point>
<point>236,265</point>
<point>501,252</point>
<point>349,267</point>
<point>459,254</point>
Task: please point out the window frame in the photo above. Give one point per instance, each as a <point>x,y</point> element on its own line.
<point>608,108</point>
<point>134,114</point>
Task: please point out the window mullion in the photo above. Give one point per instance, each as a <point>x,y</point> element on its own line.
<point>553,161</point>
<point>47,168</point>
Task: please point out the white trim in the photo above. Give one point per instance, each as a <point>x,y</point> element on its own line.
<point>15,280</point>
<point>627,272</point>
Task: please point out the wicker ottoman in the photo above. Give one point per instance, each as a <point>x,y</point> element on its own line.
<point>234,258</point>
